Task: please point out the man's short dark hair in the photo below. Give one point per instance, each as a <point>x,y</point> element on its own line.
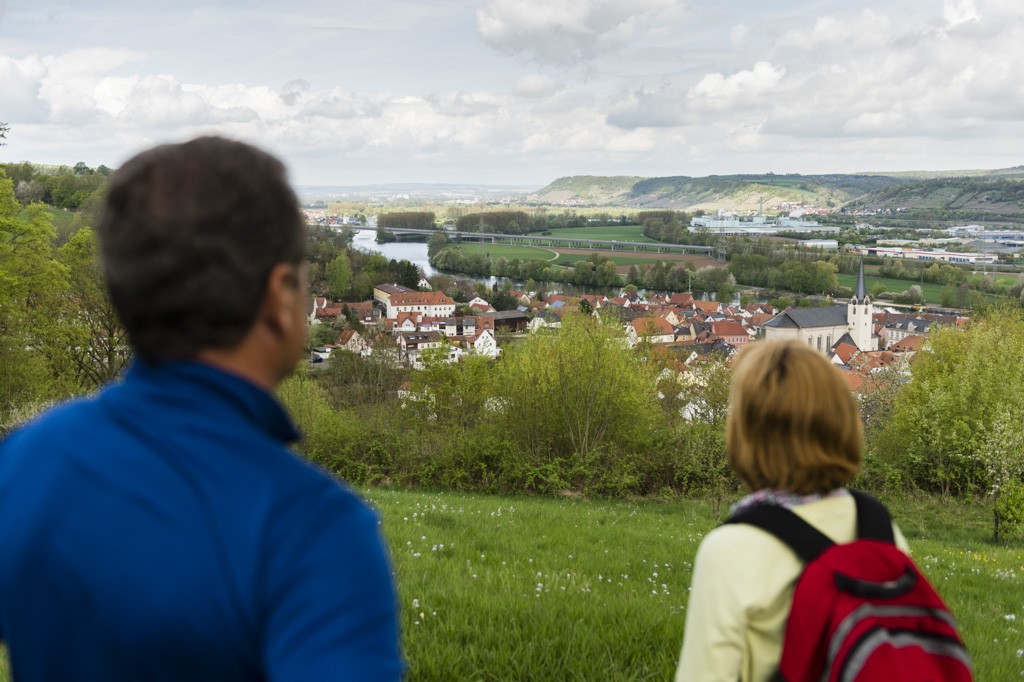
<point>189,235</point>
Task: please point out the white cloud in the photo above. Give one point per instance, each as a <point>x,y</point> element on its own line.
<point>536,85</point>
<point>739,90</point>
<point>956,12</point>
<point>692,88</point>
<point>869,30</point>
<point>20,81</point>
<point>738,33</point>
<point>565,31</point>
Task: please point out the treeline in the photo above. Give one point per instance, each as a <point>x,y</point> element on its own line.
<point>342,273</point>
<point>596,270</point>
<point>502,222</point>
<point>59,335</point>
<point>521,222</point>
<point>410,220</point>
<point>801,276</point>
<point>665,226</point>
<point>63,187</point>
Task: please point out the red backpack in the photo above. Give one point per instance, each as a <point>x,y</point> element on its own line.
<point>863,610</point>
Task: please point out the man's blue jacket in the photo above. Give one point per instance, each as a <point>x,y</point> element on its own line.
<point>161,530</point>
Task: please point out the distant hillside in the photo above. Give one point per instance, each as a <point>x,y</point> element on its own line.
<point>595,190</point>
<point>996,194</point>
<point>714,192</point>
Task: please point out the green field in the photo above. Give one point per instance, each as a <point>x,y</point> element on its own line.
<point>496,588</point>
<point>622,233</point>
<point>545,589</point>
<point>932,292</point>
<point>508,251</point>
<point>627,258</point>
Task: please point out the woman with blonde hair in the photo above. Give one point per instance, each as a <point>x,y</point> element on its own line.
<point>794,439</point>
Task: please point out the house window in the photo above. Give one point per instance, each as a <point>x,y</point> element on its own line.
<point>828,341</point>
<point>819,343</point>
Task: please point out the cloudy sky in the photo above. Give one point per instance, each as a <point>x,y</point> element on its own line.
<point>521,91</point>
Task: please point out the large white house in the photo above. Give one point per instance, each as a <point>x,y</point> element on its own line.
<point>822,328</point>
<point>430,303</point>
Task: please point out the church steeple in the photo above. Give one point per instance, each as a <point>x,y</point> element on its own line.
<point>858,314</point>
<point>861,293</point>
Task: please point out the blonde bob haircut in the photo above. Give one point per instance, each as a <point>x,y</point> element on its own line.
<point>793,424</point>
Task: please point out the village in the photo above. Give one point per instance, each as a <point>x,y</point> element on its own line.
<point>860,337</point>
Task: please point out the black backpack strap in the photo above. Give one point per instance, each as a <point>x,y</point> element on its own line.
<point>873,522</point>
<point>804,539</point>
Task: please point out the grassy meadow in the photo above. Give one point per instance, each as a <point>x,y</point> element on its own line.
<point>495,588</point>
<point>508,251</point>
<point>622,233</point>
<point>932,292</point>
<point>526,588</point>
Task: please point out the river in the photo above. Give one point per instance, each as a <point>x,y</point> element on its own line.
<point>414,252</point>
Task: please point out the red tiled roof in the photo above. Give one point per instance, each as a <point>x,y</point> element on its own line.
<point>652,326</point>
<point>854,379</point>
<point>908,344</point>
<point>728,328</point>
<point>421,298</point>
<point>707,306</point>
<point>845,351</point>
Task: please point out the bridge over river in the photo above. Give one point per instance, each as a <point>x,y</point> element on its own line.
<point>556,242</point>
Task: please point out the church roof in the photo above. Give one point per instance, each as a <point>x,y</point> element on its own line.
<point>810,318</point>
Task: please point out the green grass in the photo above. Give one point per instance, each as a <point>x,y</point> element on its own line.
<point>495,588</point>
<point>630,259</point>
<point>622,233</point>
<point>932,292</point>
<point>539,589</point>
<point>508,251</point>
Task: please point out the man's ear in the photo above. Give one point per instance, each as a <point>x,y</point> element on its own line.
<point>279,298</point>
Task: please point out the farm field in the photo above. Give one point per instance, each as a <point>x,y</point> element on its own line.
<point>495,588</point>
<point>932,292</point>
<point>509,251</point>
<point>624,258</point>
<point>1001,279</point>
<point>623,233</point>
<point>566,257</point>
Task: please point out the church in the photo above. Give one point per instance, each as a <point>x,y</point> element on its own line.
<point>823,328</point>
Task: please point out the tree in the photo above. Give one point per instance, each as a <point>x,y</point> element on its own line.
<point>92,334</point>
<point>353,380</point>
<point>961,383</point>
<point>437,242</point>
<point>4,129</point>
<point>573,392</point>
<point>452,394</point>
<point>31,286</point>
<point>339,276</point>
<point>1004,456</point>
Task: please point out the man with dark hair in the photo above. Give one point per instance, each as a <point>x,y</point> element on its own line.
<point>161,529</point>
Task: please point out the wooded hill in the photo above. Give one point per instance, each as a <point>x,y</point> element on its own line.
<point>997,194</point>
